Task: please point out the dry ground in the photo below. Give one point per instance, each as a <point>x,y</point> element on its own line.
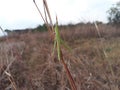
<point>34,68</point>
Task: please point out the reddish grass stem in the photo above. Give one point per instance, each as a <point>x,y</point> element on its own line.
<point>51,29</point>
<point>70,78</point>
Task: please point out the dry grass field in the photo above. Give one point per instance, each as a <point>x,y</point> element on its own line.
<point>94,61</point>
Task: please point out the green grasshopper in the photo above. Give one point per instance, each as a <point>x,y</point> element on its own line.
<point>58,41</point>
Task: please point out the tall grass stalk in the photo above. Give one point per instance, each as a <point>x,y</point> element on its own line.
<point>45,20</point>
<point>11,80</point>
<point>2,30</point>
<point>57,40</point>
<point>3,33</point>
<point>103,49</point>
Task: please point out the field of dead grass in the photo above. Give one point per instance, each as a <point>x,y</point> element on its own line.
<point>33,67</point>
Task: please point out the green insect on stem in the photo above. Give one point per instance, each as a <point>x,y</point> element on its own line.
<point>58,41</point>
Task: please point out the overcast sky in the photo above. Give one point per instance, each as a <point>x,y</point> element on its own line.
<point>20,14</point>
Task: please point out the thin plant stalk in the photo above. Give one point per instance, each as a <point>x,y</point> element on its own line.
<point>70,78</point>
<point>105,54</point>
<point>39,11</point>
<point>48,12</point>
<point>3,32</point>
<point>11,80</point>
<point>57,41</point>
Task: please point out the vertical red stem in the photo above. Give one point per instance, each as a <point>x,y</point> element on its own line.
<point>70,78</point>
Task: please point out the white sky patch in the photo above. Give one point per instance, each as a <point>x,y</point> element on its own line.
<point>23,13</point>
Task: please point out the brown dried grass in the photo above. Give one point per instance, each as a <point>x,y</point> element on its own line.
<point>86,63</point>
